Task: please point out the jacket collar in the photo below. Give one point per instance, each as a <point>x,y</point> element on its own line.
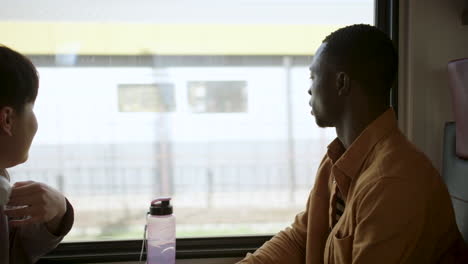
<point>349,161</point>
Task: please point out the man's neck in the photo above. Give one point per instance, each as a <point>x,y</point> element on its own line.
<point>354,122</point>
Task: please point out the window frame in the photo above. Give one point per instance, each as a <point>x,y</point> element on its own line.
<point>386,18</point>
<point>129,250</point>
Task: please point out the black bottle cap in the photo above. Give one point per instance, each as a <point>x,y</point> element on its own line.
<point>161,206</point>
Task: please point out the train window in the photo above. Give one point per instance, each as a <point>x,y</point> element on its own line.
<point>146,97</point>
<point>204,101</point>
<point>217,96</point>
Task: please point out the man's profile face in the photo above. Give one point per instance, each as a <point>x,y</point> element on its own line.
<point>24,131</point>
<point>18,129</point>
<point>323,90</point>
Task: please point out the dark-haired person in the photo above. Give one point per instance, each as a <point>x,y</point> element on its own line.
<point>376,198</point>
<point>36,217</point>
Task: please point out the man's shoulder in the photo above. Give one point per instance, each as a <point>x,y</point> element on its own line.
<point>397,157</point>
<point>396,160</point>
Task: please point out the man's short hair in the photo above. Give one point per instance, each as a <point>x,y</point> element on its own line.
<point>19,81</point>
<point>365,53</point>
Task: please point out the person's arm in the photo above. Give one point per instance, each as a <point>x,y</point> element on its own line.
<point>286,247</point>
<point>29,242</point>
<point>389,217</point>
<point>40,217</point>
<point>305,239</point>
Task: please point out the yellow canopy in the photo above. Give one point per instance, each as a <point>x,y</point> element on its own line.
<point>43,38</point>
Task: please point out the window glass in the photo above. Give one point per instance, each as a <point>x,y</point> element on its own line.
<point>204,101</point>
<point>146,97</point>
<point>217,96</point>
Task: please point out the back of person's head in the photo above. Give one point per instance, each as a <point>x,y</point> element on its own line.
<point>366,54</point>
<point>19,80</point>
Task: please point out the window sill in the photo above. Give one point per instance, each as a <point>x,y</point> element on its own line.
<point>129,250</point>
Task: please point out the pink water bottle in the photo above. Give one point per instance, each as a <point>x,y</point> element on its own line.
<point>161,232</point>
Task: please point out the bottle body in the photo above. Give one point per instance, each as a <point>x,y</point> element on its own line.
<point>161,239</point>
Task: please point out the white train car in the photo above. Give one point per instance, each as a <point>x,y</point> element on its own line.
<point>88,117</point>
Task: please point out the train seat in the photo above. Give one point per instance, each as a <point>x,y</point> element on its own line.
<point>455,174</point>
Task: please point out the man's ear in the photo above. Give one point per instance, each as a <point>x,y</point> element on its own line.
<point>343,83</point>
<point>6,120</point>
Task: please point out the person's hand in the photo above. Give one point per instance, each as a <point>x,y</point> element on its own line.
<point>5,190</point>
<point>38,203</point>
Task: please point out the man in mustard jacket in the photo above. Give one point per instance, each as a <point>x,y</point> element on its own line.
<point>376,198</point>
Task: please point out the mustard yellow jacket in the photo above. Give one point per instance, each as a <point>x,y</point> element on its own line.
<point>397,208</point>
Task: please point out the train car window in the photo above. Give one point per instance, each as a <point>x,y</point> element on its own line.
<point>204,101</point>
<point>146,97</point>
<point>217,96</point>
